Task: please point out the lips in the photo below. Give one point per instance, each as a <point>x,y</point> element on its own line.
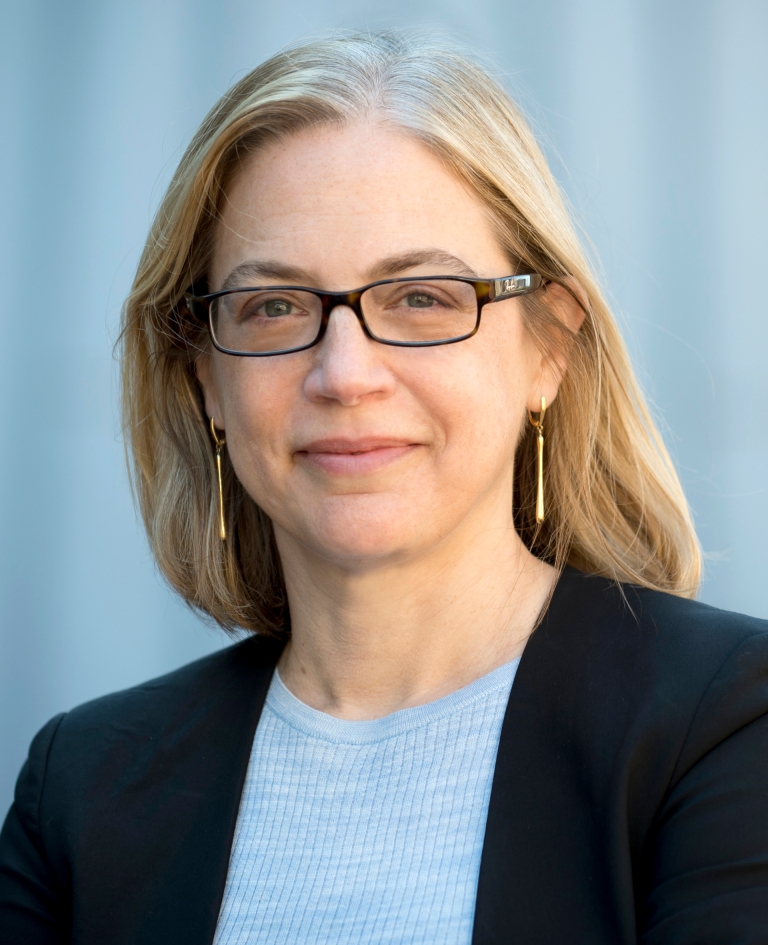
<point>353,457</point>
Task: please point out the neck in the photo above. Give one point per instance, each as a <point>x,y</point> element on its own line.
<point>368,643</point>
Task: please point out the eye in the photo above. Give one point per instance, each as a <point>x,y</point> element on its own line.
<point>276,307</point>
<point>420,300</point>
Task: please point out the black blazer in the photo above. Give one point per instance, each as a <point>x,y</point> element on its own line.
<point>629,802</point>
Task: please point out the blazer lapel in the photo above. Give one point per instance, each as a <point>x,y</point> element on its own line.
<point>541,877</point>
<point>186,828</point>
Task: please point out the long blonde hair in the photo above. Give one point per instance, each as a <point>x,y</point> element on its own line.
<point>615,505</point>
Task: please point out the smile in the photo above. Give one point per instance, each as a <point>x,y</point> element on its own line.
<point>341,457</point>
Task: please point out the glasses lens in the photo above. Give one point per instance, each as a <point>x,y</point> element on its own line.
<point>428,311</point>
<point>260,321</point>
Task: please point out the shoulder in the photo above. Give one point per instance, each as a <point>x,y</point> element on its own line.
<point>131,732</point>
<point>155,704</point>
<point>632,746</point>
<point>615,663</point>
<point>609,599</point>
<point>589,611</point>
<point>123,783</point>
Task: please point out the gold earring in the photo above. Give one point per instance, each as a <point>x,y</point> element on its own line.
<point>220,444</point>
<point>539,425</point>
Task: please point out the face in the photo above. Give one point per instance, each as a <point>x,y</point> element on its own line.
<point>362,453</point>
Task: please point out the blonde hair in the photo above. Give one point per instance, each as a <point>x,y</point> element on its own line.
<point>615,504</point>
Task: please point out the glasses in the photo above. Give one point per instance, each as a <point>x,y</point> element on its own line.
<point>261,321</point>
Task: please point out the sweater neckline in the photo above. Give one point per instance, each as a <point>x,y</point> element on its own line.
<point>314,723</point>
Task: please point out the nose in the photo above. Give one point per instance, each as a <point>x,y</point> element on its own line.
<point>347,365</point>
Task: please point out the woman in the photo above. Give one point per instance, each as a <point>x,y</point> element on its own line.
<point>380,416</point>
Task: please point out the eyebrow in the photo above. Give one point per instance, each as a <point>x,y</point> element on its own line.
<point>388,268</point>
<point>255,269</point>
<point>393,265</point>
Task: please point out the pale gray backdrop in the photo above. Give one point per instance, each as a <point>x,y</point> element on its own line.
<point>655,115</point>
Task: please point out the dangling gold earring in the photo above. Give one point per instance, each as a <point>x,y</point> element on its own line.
<point>220,444</point>
<point>539,425</point>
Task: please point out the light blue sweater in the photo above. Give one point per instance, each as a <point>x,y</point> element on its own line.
<point>364,832</point>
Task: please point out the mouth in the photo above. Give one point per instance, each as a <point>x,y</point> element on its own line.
<point>347,457</point>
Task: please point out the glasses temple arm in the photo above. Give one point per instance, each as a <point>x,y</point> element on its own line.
<point>516,285</point>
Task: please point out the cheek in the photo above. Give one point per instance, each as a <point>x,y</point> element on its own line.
<point>497,380</point>
<point>479,402</point>
<point>256,403</point>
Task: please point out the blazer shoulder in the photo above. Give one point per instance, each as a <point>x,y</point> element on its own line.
<point>119,790</point>
<point>619,670</point>
<point>184,691</point>
<point>656,618</point>
<point>637,647</point>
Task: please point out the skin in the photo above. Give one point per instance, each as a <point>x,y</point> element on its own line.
<point>387,472</point>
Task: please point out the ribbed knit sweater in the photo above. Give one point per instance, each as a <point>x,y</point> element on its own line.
<point>364,832</point>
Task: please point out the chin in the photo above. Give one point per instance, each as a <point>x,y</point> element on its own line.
<point>362,531</point>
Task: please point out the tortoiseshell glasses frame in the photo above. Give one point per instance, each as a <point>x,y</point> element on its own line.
<point>449,309</point>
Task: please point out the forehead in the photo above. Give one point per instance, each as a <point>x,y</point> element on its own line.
<point>337,199</point>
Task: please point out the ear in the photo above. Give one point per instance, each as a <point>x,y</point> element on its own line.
<point>205,376</point>
<point>568,304</point>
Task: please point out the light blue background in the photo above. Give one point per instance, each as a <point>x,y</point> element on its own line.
<point>655,114</point>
